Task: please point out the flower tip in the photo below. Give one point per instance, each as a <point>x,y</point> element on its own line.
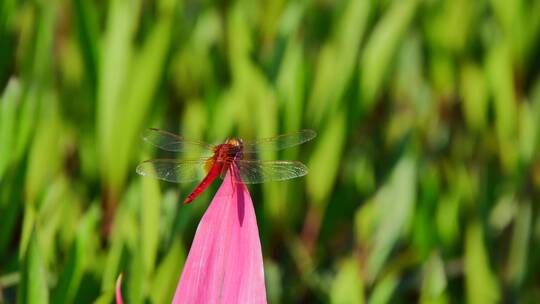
<point>118,292</point>
<point>227,244</point>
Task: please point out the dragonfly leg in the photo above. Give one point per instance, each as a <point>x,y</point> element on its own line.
<point>238,187</point>
<point>233,172</point>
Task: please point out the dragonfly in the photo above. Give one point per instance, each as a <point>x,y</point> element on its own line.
<point>234,156</point>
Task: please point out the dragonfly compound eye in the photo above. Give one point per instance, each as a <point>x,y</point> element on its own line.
<point>234,141</point>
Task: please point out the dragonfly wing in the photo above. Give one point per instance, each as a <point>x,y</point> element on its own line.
<point>173,170</point>
<point>260,171</point>
<point>171,142</point>
<point>279,142</point>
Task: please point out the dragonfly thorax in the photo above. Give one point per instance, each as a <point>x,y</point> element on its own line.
<point>228,151</point>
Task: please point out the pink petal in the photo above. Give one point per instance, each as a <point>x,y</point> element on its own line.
<point>118,290</point>
<point>225,263</point>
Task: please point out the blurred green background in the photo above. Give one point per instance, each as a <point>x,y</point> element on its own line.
<point>424,180</point>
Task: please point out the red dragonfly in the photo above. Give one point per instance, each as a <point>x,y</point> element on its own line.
<point>223,158</point>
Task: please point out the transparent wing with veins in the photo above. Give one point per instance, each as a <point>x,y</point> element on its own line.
<point>250,171</point>
<point>173,170</point>
<point>171,142</point>
<point>260,171</point>
<point>279,142</point>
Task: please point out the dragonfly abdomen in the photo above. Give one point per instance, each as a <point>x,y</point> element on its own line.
<point>214,172</point>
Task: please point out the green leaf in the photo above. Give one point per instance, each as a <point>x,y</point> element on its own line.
<point>150,213</point>
<point>143,79</point>
<point>77,260</point>
<point>7,9</point>
<point>33,287</point>
<point>116,56</point>
<point>447,218</point>
<point>290,85</point>
<point>481,284</point>
<point>510,17</point>
<point>87,29</point>
<point>381,47</point>
<point>434,281</point>
<point>475,98</point>
<point>168,273</point>
<point>383,290</point>
<point>273,281</point>
<point>337,59</point>
<point>47,139</point>
<point>124,238</point>
<point>499,69</point>
<point>503,212</point>
<point>519,246</point>
<point>51,216</point>
<point>528,131</point>
<point>448,24</point>
<point>29,220</point>
<point>348,286</point>
<point>395,206</point>
<point>112,264</point>
<point>26,125</point>
<point>135,278</point>
<point>10,211</point>
<point>106,297</point>
<point>8,112</point>
<point>325,160</point>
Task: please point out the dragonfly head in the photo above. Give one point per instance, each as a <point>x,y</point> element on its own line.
<point>234,141</point>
